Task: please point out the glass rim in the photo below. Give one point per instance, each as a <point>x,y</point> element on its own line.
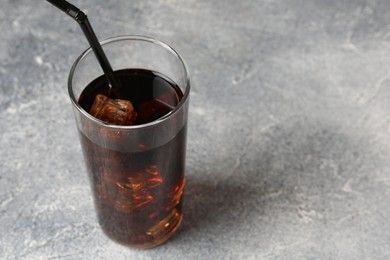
<point>88,51</point>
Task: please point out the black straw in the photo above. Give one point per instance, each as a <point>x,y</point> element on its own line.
<point>82,19</point>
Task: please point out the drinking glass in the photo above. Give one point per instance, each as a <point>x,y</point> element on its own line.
<point>136,172</point>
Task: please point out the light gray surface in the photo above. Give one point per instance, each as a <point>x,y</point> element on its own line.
<point>288,146</point>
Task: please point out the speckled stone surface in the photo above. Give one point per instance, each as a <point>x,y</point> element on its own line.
<point>289,132</point>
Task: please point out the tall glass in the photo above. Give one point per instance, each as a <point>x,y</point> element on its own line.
<point>136,172</point>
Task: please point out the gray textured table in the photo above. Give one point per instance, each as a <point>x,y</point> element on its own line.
<point>289,134</point>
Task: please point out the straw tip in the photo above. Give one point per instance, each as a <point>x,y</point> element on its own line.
<point>69,9</point>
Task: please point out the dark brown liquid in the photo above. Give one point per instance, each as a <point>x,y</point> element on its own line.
<point>151,94</point>
<point>138,194</point>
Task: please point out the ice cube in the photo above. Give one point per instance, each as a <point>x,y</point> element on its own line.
<point>140,181</point>
<point>154,178</point>
<point>128,194</point>
<point>135,190</point>
<point>174,196</point>
<point>163,227</point>
<point>113,111</point>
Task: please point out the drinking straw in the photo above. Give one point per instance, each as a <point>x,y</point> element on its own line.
<point>82,20</point>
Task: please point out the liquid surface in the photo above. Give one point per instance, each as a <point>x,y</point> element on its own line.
<point>151,94</point>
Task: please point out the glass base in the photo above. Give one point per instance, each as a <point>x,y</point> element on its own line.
<point>156,242</point>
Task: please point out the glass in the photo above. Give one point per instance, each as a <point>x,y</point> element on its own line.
<point>136,172</point>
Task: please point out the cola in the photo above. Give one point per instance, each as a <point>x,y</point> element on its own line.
<point>137,191</point>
